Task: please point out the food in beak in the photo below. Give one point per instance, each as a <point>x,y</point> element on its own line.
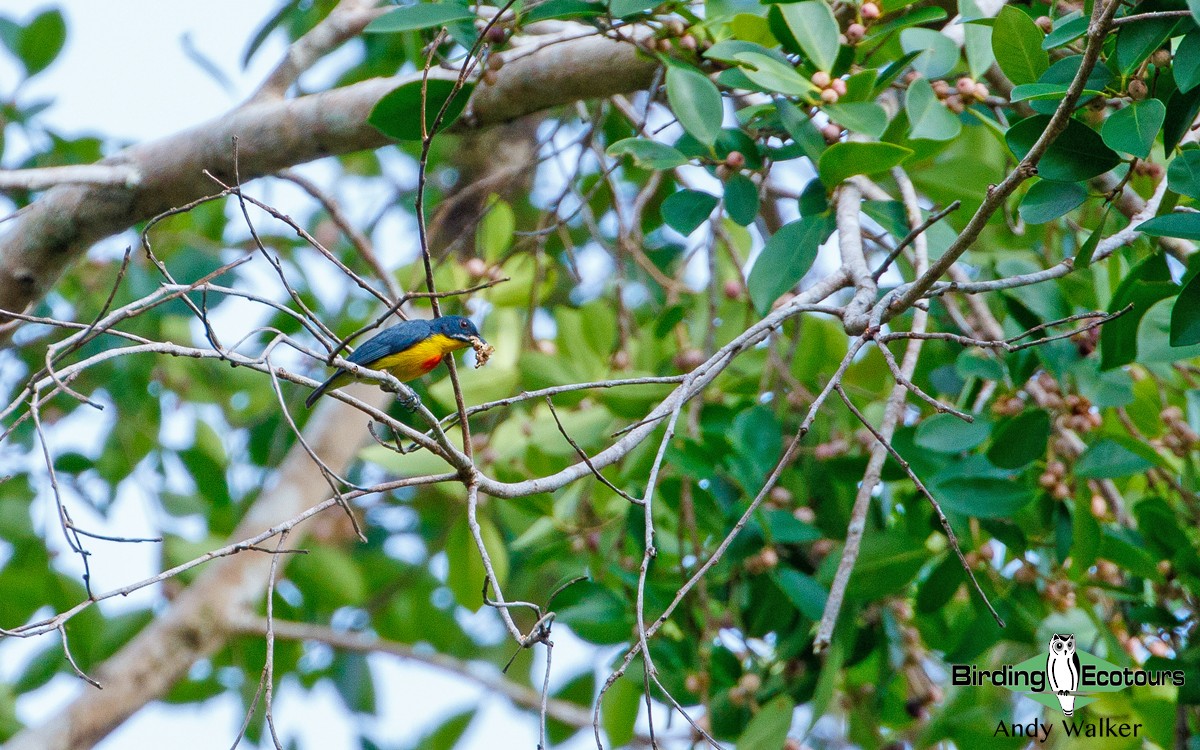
<point>483,351</point>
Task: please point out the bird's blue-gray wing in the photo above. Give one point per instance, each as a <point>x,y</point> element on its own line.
<point>395,339</point>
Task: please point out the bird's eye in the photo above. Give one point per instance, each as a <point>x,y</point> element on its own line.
<point>463,324</point>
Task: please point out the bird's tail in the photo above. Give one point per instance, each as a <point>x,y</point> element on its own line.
<point>320,390</point>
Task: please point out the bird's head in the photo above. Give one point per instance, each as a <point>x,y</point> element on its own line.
<point>457,327</point>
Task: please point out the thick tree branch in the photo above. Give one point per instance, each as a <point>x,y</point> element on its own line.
<point>276,134</point>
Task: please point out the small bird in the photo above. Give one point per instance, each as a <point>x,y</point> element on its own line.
<point>408,350</point>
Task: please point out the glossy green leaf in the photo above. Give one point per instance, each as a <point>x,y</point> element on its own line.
<point>1136,41</point>
<point>685,210</point>
<point>786,257</point>
<point>939,53</point>
<point>1147,283</point>
<point>419,16</point>
<point>1186,62</point>
<point>648,154</point>
<point>773,75</point>
<point>1185,315</point>
<point>768,729</point>
<point>927,115</point>
<point>1184,226</point>
<point>563,9</point>
<point>1108,459</point>
<point>1183,175</point>
<point>1066,30</point>
<point>397,115</point>
<point>867,118</point>
<point>1020,441</point>
<point>1062,73</point>
<point>696,101</point>
<point>1134,128</point>
<point>1077,154</point>
<point>842,160</point>
<point>1048,200</point>
<point>741,199</point>
<point>1017,45</point>
<point>815,29</point>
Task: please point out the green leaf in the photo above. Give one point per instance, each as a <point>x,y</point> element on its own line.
<point>686,210</point>
<point>1134,128</point>
<point>1077,154</point>
<point>696,101</point>
<point>768,729</point>
<point>1185,315</point>
<point>1183,175</point>
<point>1020,441</point>
<point>1083,258</point>
<point>842,160</point>
<point>927,116</point>
<point>563,9</point>
<point>1067,29</point>
<point>1185,64</point>
<point>1108,459</point>
<point>41,41</point>
<point>741,199</point>
<point>815,29</point>
<point>1062,73</point>
<point>983,497</point>
<point>1184,226</point>
<point>1194,7</point>
<point>939,54</point>
<point>977,41</point>
<point>448,732</point>
<point>803,591</point>
<point>1147,283</point>
<point>594,612</point>
<point>946,433</point>
<point>786,257</point>
<point>648,154</point>
<point>466,572</point>
<point>1048,200</point>
<point>626,8</point>
<point>494,234</point>
<point>1137,41</point>
<point>1182,108</point>
<point>1039,91</point>
<point>419,16</point>
<point>397,116</point>
<point>773,75</point>
<point>1017,45</point>
<point>867,118</point>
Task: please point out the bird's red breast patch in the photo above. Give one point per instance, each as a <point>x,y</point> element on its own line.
<point>430,363</point>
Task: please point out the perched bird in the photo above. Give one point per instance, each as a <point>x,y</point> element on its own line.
<point>408,350</point>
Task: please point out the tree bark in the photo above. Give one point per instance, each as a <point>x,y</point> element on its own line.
<point>274,134</point>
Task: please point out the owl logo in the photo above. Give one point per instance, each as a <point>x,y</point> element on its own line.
<point>1062,671</point>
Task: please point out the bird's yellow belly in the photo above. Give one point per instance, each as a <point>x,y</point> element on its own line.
<point>418,359</point>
